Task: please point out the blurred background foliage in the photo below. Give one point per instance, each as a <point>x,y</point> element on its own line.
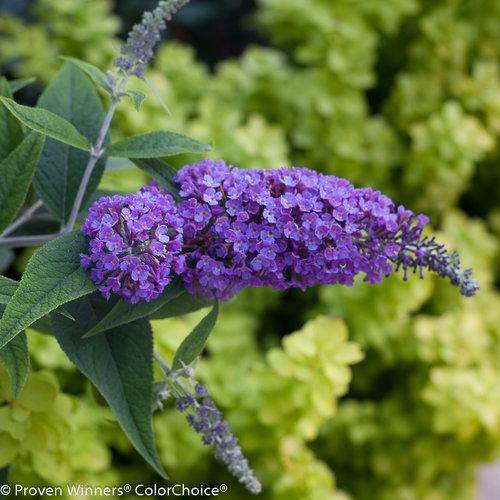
<point>370,392</point>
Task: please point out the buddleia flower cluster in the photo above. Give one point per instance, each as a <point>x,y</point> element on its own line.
<point>134,244</point>
<point>297,228</point>
<point>144,37</point>
<point>235,228</point>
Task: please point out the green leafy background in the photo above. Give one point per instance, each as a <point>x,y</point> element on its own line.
<point>386,392</point>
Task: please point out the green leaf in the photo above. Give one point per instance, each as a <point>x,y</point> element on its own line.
<point>64,312</point>
<point>192,346</point>
<point>20,83</point>
<point>71,96</point>
<point>16,172</point>
<point>123,312</point>
<point>8,288</point>
<point>47,123</point>
<point>15,357</point>
<point>137,98</point>
<point>43,325</point>
<point>11,131</point>
<point>95,74</point>
<point>155,145</point>
<point>120,364</point>
<point>52,278</point>
<point>183,304</point>
<point>161,172</point>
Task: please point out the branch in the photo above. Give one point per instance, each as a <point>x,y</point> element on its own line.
<point>28,241</point>
<point>22,218</point>
<point>96,152</point>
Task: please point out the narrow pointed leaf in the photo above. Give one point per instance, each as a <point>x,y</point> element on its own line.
<point>47,123</point>
<point>16,172</point>
<point>64,312</point>
<point>52,278</point>
<point>20,83</point>
<point>160,171</point>
<point>93,72</point>
<point>15,357</point>
<point>156,145</point>
<point>120,365</point>
<point>7,289</point>
<point>183,304</point>
<point>192,346</point>
<point>137,98</point>
<point>123,312</point>
<point>71,96</point>
<point>11,131</point>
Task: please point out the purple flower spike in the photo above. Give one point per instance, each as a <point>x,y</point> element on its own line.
<point>297,228</point>
<point>205,418</point>
<point>236,228</point>
<point>143,38</point>
<point>135,244</point>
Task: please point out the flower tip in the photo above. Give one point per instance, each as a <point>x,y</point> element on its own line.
<point>468,285</point>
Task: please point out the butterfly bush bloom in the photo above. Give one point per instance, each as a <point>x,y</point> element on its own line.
<point>134,244</point>
<point>235,228</point>
<point>139,49</point>
<point>296,228</point>
<point>205,418</point>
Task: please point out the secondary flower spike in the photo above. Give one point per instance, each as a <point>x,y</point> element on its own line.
<point>134,244</point>
<point>297,228</point>
<point>205,418</point>
<point>139,49</point>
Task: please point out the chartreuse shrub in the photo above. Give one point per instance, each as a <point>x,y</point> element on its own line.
<point>49,433</point>
<point>423,408</point>
<point>82,29</point>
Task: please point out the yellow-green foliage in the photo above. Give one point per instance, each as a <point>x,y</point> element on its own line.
<point>276,403</point>
<point>403,95</point>
<point>82,29</point>
<point>51,436</point>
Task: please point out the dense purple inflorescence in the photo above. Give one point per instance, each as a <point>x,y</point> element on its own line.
<point>280,228</point>
<point>296,228</point>
<point>206,419</point>
<point>135,244</point>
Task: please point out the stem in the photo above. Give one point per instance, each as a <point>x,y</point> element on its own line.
<point>164,365</point>
<point>22,218</point>
<point>95,153</point>
<point>175,381</point>
<point>26,241</point>
<point>169,373</point>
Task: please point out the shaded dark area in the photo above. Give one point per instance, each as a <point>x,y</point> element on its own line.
<point>486,193</point>
<point>281,323</point>
<point>216,28</point>
<point>16,7</point>
<point>389,63</point>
